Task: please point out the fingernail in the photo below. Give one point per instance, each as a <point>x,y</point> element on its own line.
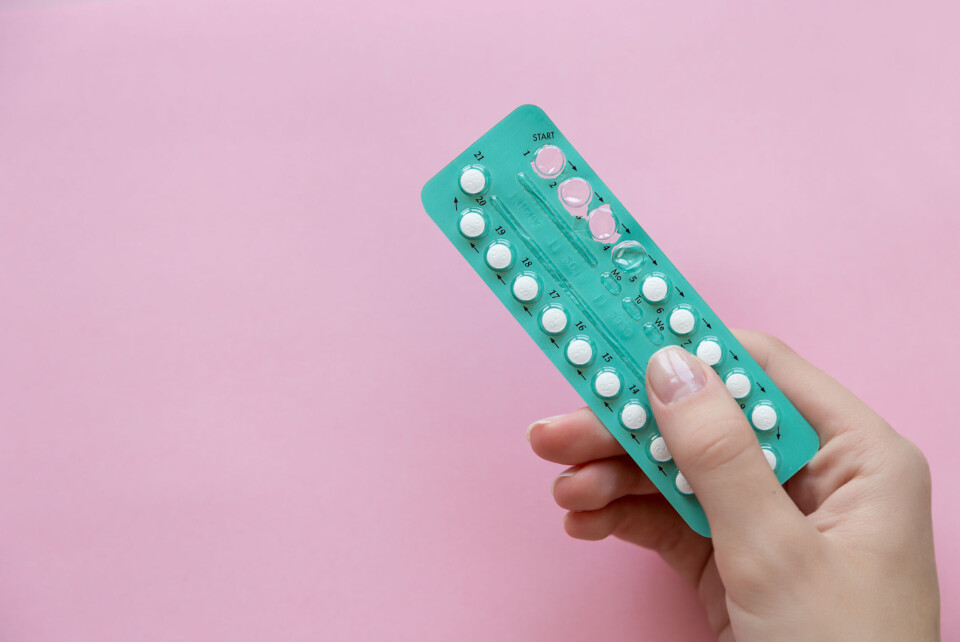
<point>674,374</point>
<point>541,422</point>
<point>567,473</point>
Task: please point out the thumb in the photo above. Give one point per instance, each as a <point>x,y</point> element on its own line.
<point>717,451</point>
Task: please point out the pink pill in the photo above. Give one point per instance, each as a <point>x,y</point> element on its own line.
<point>602,223</point>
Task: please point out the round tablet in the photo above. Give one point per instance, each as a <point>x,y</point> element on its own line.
<point>710,352</point>
<point>771,457</point>
<point>602,223</point>
<point>682,321</point>
<point>473,181</point>
<point>607,384</point>
<point>579,352</point>
<point>655,289</point>
<point>472,224</point>
<point>633,416</point>
<point>575,192</point>
<point>764,417</point>
<point>738,384</point>
<point>526,288</point>
<point>499,256</point>
<point>683,485</point>
<point>658,450</point>
<point>549,161</point>
<point>553,320</point>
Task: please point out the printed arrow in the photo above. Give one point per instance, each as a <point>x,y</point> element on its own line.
<point>626,229</point>
<point>707,323</point>
<point>475,248</point>
<point>554,343</point>
<point>608,406</point>
<point>573,167</point>
<point>581,375</point>
<point>635,438</point>
<point>660,468</point>
<point>455,206</point>
<point>654,260</point>
<point>762,389</point>
<point>600,197</point>
<point>500,278</point>
<point>527,310</point>
<point>778,432</point>
<point>681,294</point>
<point>735,357</point>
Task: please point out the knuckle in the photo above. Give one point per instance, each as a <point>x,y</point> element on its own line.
<point>715,444</point>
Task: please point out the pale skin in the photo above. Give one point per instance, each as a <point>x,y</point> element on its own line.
<point>843,552</point>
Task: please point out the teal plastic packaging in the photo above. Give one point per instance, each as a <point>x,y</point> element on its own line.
<point>594,291</point>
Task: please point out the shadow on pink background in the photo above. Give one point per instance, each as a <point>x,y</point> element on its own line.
<point>248,391</point>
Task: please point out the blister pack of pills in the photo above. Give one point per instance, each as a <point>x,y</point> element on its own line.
<point>596,293</point>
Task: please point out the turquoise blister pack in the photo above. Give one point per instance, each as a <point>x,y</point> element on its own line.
<point>596,293</point>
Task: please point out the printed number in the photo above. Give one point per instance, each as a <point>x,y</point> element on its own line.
<point>481,200</point>
<point>526,152</point>
<point>742,406</point>
<point>632,279</point>
<point>527,262</point>
<point>581,326</point>
<point>659,310</point>
<point>606,247</point>
<point>687,342</point>
<point>500,230</point>
<point>634,389</point>
<point>606,357</point>
<point>553,184</point>
<point>478,155</point>
<point>554,294</point>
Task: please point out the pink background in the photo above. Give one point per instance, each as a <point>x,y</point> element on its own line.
<point>243,394</point>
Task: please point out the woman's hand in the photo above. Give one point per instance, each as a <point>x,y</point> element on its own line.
<point>843,552</point>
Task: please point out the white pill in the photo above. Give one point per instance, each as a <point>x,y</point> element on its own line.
<point>683,485</point>
<point>771,458</point>
<point>554,320</point>
<point>764,417</point>
<point>682,321</point>
<point>607,385</point>
<point>654,289</point>
<point>709,352</point>
<point>499,256</point>
<point>526,288</point>
<point>579,352</point>
<point>472,181</point>
<point>659,451</point>
<point>472,225</point>
<point>739,385</point>
<point>634,416</point>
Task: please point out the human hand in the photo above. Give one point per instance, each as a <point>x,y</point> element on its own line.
<point>843,552</point>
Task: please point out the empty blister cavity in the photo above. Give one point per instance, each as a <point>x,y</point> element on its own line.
<point>738,383</point>
<point>658,450</point>
<point>683,320</point>
<point>549,161</point>
<point>633,416</point>
<point>610,282</point>
<point>603,224</point>
<point>472,223</point>
<point>682,484</point>
<point>631,308</point>
<point>628,255</point>
<point>526,287</point>
<point>580,351</point>
<point>764,416</point>
<point>474,180</point>
<point>607,383</point>
<point>655,288</point>
<point>771,457</point>
<point>499,256</point>
<point>653,333</point>
<point>575,194</point>
<point>554,319</point>
<point>710,351</point>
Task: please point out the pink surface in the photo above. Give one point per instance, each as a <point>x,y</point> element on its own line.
<point>244,395</point>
